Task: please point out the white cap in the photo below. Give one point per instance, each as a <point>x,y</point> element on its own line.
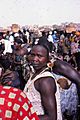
<point>16,35</point>
<point>50,32</point>
<point>55,32</point>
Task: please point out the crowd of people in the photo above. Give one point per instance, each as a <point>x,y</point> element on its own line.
<point>44,70</point>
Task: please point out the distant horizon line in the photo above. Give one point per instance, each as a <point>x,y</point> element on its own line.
<point>8,25</point>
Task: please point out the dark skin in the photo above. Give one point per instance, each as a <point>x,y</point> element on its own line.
<point>48,100</point>
<point>65,69</point>
<point>47,97</point>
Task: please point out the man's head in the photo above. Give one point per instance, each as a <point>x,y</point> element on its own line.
<point>40,56</point>
<point>17,43</point>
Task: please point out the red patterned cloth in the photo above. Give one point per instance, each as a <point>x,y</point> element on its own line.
<point>14,105</point>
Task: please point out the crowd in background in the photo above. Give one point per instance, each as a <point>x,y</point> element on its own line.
<point>65,45</point>
<point>15,60</point>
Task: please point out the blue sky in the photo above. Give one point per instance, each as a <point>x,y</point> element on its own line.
<point>41,12</point>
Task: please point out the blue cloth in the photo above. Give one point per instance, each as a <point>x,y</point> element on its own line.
<point>55,39</point>
<point>69,100</point>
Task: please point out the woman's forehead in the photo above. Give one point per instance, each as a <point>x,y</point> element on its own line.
<point>39,48</point>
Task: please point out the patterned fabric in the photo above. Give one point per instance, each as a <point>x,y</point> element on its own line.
<point>14,105</point>
<point>69,100</point>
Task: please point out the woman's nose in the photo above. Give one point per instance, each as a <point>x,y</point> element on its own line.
<point>36,58</point>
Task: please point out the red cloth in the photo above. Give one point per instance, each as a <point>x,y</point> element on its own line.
<point>14,105</point>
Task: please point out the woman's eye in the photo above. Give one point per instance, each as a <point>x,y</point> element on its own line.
<point>33,55</point>
<point>39,56</point>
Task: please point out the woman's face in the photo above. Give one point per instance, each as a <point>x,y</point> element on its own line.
<point>39,57</point>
